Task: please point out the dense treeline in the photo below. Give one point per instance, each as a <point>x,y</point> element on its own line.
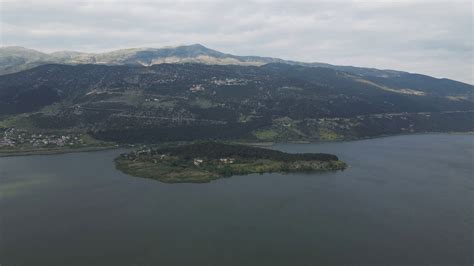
<point>216,150</point>
<point>346,129</point>
<point>434,122</point>
<point>182,133</point>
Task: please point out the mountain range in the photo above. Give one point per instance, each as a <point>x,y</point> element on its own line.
<point>16,58</point>
<point>192,92</point>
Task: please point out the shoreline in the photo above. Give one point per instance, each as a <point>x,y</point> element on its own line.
<point>258,144</point>
<point>55,151</point>
<point>271,143</point>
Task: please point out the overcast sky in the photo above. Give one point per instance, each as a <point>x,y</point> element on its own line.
<point>429,37</point>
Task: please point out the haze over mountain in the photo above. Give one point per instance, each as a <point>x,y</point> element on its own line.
<point>15,58</point>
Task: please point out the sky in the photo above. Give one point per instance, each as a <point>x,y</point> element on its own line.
<point>429,37</point>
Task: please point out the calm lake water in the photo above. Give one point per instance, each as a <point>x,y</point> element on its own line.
<point>405,200</point>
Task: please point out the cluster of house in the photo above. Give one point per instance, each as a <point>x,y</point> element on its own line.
<point>196,88</point>
<point>227,160</point>
<point>229,82</point>
<point>137,153</point>
<point>198,162</point>
<point>14,137</point>
<point>6,142</point>
<point>152,100</point>
<point>145,151</point>
<point>348,123</point>
<point>219,82</point>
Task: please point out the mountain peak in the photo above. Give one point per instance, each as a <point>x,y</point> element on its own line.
<point>16,48</point>
<point>29,55</point>
<point>197,45</point>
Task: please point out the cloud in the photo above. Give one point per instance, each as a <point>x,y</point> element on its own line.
<point>430,37</point>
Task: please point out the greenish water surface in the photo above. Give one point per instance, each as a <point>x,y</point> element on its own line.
<point>404,200</point>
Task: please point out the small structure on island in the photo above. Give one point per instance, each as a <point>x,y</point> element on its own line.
<point>198,162</point>
<point>197,88</point>
<point>227,160</point>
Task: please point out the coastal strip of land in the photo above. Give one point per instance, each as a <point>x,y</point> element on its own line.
<point>13,152</point>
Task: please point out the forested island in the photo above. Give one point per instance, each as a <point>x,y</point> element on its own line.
<point>207,161</point>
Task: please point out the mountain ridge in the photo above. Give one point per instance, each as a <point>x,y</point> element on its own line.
<point>24,58</point>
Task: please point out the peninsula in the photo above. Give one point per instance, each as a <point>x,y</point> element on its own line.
<point>207,161</point>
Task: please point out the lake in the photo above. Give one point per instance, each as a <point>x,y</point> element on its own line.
<point>404,200</point>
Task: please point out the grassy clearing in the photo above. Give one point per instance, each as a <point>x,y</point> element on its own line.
<point>202,103</point>
<point>18,121</point>
<point>328,135</point>
<point>266,135</point>
<point>282,129</point>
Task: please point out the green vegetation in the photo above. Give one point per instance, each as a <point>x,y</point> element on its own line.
<point>202,103</point>
<point>282,129</point>
<point>21,121</point>
<point>266,135</point>
<point>204,162</point>
<point>189,102</point>
<point>328,135</point>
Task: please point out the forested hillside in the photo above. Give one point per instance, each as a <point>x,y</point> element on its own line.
<point>197,101</point>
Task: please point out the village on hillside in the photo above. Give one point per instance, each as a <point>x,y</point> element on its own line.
<point>18,138</point>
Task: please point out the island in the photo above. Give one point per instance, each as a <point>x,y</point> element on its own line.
<point>207,161</point>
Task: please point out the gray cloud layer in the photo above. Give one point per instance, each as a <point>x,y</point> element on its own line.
<point>430,37</point>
